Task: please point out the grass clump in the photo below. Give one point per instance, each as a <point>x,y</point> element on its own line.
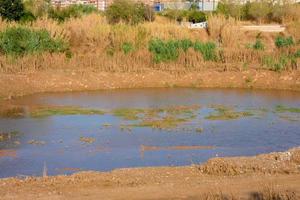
<point>258,45</point>
<point>18,41</point>
<point>282,41</point>
<point>223,113</point>
<point>127,47</point>
<point>276,64</point>
<point>72,11</point>
<point>281,108</point>
<point>208,50</point>
<point>52,111</point>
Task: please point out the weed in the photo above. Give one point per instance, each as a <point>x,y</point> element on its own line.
<point>282,41</point>
<point>207,50</point>
<point>223,113</point>
<point>127,47</point>
<point>51,111</point>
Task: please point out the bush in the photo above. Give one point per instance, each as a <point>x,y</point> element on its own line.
<point>129,12</point>
<point>258,45</point>
<point>72,11</point>
<point>281,41</point>
<point>164,51</point>
<point>195,16</point>
<point>127,47</point>
<point>169,50</point>
<point>174,14</point>
<point>11,10</point>
<point>208,50</point>
<point>18,41</point>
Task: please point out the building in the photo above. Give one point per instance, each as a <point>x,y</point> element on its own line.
<point>203,5</point>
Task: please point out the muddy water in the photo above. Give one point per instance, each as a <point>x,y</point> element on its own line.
<point>56,142</point>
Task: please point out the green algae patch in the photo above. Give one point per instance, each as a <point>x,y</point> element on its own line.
<point>128,113</point>
<point>52,111</point>
<point>281,109</point>
<point>224,113</point>
<point>161,118</point>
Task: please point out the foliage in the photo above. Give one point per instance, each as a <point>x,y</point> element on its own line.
<point>195,16</point>
<point>169,50</point>
<point>276,64</point>
<point>174,14</point>
<point>129,12</point>
<point>207,50</point>
<point>282,41</point>
<point>38,8</point>
<point>73,11</point>
<point>258,45</point>
<point>11,10</point>
<point>164,51</point>
<point>18,41</point>
<point>127,47</point>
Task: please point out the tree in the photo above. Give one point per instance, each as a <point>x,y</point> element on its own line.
<point>11,10</point>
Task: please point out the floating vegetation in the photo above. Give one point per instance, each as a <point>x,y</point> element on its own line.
<point>128,113</point>
<point>8,136</point>
<point>161,118</point>
<point>224,113</point>
<point>281,109</point>
<point>12,112</point>
<point>36,142</point>
<point>51,111</point>
<point>88,140</point>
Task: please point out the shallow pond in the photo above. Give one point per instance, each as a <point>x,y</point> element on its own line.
<point>144,127</point>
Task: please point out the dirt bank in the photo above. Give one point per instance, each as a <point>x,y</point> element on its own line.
<point>69,80</point>
<point>269,175</point>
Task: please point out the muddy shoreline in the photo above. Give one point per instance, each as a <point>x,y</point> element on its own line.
<point>275,172</point>
<point>14,85</point>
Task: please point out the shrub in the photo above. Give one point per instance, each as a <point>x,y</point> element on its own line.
<point>128,12</point>
<point>164,51</point>
<point>174,14</point>
<point>72,11</point>
<point>258,45</point>
<point>195,16</point>
<point>11,10</point>
<point>281,41</point>
<point>127,47</point>
<point>17,41</point>
<point>208,50</point>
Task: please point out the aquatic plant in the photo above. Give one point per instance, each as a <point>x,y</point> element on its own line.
<point>282,108</point>
<point>51,111</point>
<point>225,113</point>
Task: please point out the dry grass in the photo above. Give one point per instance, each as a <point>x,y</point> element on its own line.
<point>96,44</point>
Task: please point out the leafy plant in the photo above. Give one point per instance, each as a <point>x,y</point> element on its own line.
<point>127,47</point>
<point>196,16</point>
<point>18,41</point>
<point>164,51</point>
<point>11,10</point>
<point>282,41</point>
<point>208,50</point>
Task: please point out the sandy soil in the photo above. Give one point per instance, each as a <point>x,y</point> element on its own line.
<point>68,80</point>
<point>275,173</point>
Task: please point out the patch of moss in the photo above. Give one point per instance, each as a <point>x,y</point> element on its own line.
<point>281,109</point>
<point>51,111</point>
<point>223,113</point>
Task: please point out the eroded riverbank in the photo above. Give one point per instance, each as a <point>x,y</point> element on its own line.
<point>21,84</point>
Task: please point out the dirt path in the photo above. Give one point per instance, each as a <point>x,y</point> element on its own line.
<point>60,81</point>
<point>270,174</point>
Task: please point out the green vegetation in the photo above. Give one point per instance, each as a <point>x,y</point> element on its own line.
<point>73,11</point>
<point>127,47</point>
<point>258,45</point>
<point>281,109</point>
<point>18,41</point>
<point>169,50</point>
<point>129,12</point>
<point>208,50</point>
<point>161,118</point>
<point>12,10</point>
<point>196,16</point>
<point>223,113</point>
<point>282,41</point>
<point>51,111</point>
